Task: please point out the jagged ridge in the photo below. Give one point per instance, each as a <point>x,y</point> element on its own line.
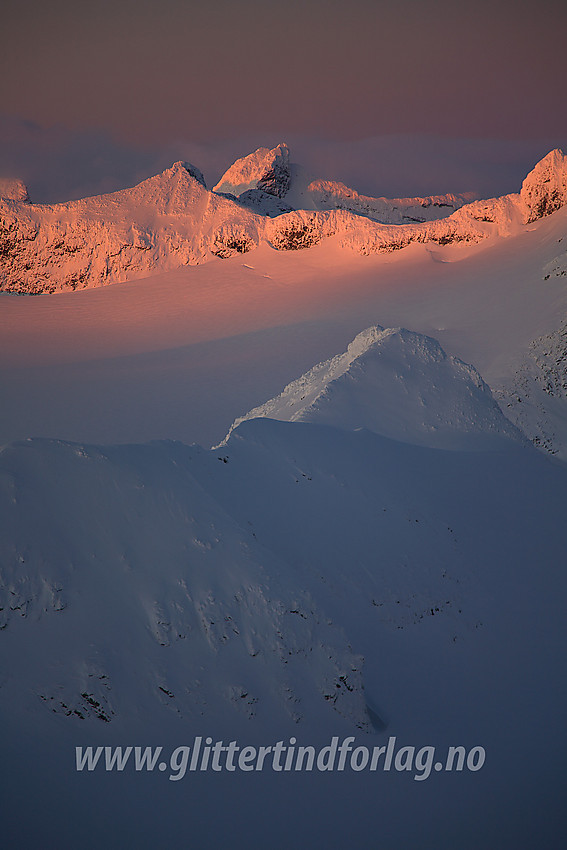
<point>172,220</point>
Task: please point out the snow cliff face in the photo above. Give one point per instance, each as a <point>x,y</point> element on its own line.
<point>545,188</point>
<point>470,224</point>
<point>399,384</point>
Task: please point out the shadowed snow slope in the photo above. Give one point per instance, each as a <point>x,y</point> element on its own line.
<point>131,550</point>
<point>400,384</point>
<point>154,593</point>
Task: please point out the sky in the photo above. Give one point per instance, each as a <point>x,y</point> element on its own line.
<point>383,94</point>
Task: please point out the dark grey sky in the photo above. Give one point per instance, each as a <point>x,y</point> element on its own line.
<point>123,86</point>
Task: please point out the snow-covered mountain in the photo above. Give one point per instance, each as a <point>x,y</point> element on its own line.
<point>268,182</point>
<point>328,194</point>
<point>172,220</point>
<point>221,596</point>
<point>267,171</point>
<point>217,619</point>
<point>240,632</point>
<point>165,222</point>
<point>545,188</point>
<point>399,384</point>
<point>376,551</point>
<point>13,190</point>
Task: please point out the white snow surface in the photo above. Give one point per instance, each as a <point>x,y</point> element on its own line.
<point>202,610</point>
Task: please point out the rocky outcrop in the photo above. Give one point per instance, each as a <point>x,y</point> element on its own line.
<point>195,172</point>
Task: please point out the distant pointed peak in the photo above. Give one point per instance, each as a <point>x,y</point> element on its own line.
<point>14,189</point>
<point>556,156</point>
<point>266,169</point>
<point>191,169</point>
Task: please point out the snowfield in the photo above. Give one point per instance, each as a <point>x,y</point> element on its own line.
<point>374,546</point>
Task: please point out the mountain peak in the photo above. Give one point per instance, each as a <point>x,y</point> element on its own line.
<point>399,384</point>
<point>192,170</point>
<point>266,169</point>
<point>545,188</point>
<point>13,189</point>
<point>182,167</point>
